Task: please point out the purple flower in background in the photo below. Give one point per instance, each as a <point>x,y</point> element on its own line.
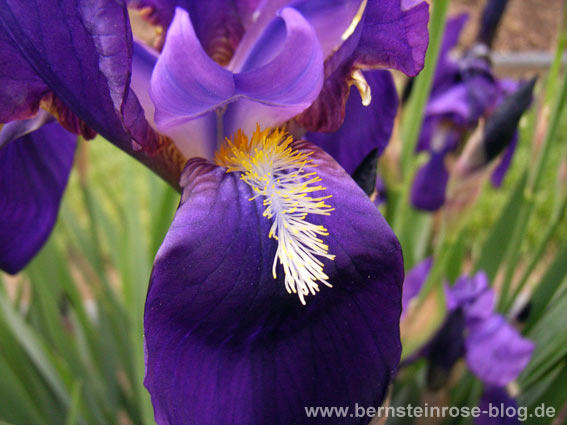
<point>495,352</point>
<point>262,214</point>
<point>464,92</point>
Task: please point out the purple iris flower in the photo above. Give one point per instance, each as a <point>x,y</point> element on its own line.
<point>464,92</point>
<point>495,352</point>
<point>262,213</point>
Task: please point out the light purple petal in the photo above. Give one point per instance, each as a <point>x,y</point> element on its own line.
<point>414,281</point>
<point>33,174</point>
<point>17,129</point>
<point>287,84</point>
<point>453,104</point>
<point>365,127</point>
<point>227,344</point>
<point>394,36</point>
<point>332,20</point>
<point>186,83</point>
<point>197,137</point>
<point>496,352</point>
<point>466,290</point>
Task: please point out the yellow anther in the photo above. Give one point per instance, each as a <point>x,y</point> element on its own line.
<point>271,166</point>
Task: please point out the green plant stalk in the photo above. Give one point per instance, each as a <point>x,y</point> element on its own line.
<point>413,120</point>
<point>558,57</point>
<point>549,232</point>
<point>530,194</point>
<point>423,84</point>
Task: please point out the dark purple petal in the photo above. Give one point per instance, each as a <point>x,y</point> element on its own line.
<point>186,83</point>
<point>496,352</point>
<point>394,36</point>
<point>33,174</point>
<point>227,344</point>
<point>430,184</point>
<point>491,18</point>
<point>387,35</point>
<point>500,171</point>
<point>327,112</point>
<point>21,89</point>
<point>445,349</point>
<point>365,127</point>
<point>414,281</point>
<point>497,408</point>
<point>82,53</point>
<point>381,191</point>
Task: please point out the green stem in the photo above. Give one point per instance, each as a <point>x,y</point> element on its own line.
<point>413,119</point>
<point>423,83</point>
<point>530,194</point>
<point>550,231</point>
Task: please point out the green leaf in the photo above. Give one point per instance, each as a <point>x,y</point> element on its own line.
<point>548,287</point>
<point>34,348</point>
<point>549,335</point>
<point>496,244</point>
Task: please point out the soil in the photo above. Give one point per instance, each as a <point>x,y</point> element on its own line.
<point>526,25</point>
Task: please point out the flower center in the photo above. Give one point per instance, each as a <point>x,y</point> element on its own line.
<point>280,175</point>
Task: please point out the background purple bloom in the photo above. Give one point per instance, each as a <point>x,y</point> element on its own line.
<point>495,352</point>
<point>463,92</point>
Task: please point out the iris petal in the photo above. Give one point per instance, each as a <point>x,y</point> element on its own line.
<point>33,175</point>
<point>394,36</point>
<point>82,52</point>
<point>365,127</point>
<point>497,176</point>
<point>227,344</point>
<point>496,352</point>
<point>194,138</point>
<point>414,281</point>
<point>497,396</point>
<point>21,89</point>
<point>430,184</point>
<point>186,83</point>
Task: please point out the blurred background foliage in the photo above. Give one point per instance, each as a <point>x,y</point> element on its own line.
<point>71,325</point>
